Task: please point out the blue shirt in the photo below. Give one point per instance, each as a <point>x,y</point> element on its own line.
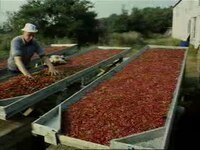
<point>26,50</point>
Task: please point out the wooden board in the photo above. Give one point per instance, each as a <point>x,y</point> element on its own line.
<point>14,132</point>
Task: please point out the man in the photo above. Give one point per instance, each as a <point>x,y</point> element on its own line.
<point>22,49</point>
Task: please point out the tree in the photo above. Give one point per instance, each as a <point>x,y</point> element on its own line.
<point>137,21</point>
<point>117,23</point>
<point>158,19</point>
<point>109,23</point>
<point>58,18</point>
<point>121,23</point>
<point>147,20</point>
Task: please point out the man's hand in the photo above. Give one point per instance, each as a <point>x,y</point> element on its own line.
<point>21,66</point>
<point>53,71</point>
<point>29,76</point>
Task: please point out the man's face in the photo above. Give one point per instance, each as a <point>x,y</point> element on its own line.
<point>28,36</point>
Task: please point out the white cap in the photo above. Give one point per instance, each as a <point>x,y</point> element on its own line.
<point>30,28</point>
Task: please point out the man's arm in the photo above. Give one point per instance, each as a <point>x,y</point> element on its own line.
<point>21,67</point>
<point>52,70</point>
<point>40,51</point>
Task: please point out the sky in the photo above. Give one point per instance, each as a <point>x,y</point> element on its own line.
<point>103,8</point>
<point>106,7</point>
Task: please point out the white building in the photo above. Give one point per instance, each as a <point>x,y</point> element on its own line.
<point>186,21</point>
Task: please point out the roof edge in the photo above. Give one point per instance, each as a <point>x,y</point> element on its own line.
<point>177,3</point>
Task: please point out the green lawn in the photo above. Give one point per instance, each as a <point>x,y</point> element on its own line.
<point>3,54</point>
<point>191,73</point>
<point>160,40</point>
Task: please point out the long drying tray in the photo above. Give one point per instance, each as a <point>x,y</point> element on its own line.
<point>49,125</point>
<point>11,106</point>
<point>69,50</point>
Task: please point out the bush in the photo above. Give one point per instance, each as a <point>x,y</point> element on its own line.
<point>125,39</point>
<point>5,42</point>
<point>159,40</point>
<point>45,42</point>
<point>64,40</point>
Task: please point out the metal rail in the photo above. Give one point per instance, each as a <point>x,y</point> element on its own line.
<point>66,51</point>
<point>11,106</point>
<point>49,125</point>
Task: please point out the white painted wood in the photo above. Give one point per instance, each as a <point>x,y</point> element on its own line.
<point>65,140</point>
<point>184,24</point>
<point>43,126</point>
<point>59,45</point>
<point>111,47</point>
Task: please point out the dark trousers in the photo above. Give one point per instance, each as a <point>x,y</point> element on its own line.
<point>13,72</point>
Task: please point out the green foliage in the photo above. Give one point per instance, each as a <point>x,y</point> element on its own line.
<point>58,18</point>
<point>5,40</point>
<point>3,55</point>
<point>192,51</point>
<point>137,21</point>
<point>125,39</point>
<point>160,40</point>
<point>145,21</point>
<point>45,42</point>
<point>65,21</point>
<point>4,45</point>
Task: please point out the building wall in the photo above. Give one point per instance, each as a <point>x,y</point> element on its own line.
<point>186,21</point>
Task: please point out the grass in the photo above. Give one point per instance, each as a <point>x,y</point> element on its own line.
<point>191,72</point>
<point>125,39</point>
<point>44,42</point>
<point>137,40</point>
<point>3,54</point>
<point>132,39</point>
<point>4,45</point>
<point>161,40</point>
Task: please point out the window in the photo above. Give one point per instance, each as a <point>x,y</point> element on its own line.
<point>189,27</point>
<point>194,27</point>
